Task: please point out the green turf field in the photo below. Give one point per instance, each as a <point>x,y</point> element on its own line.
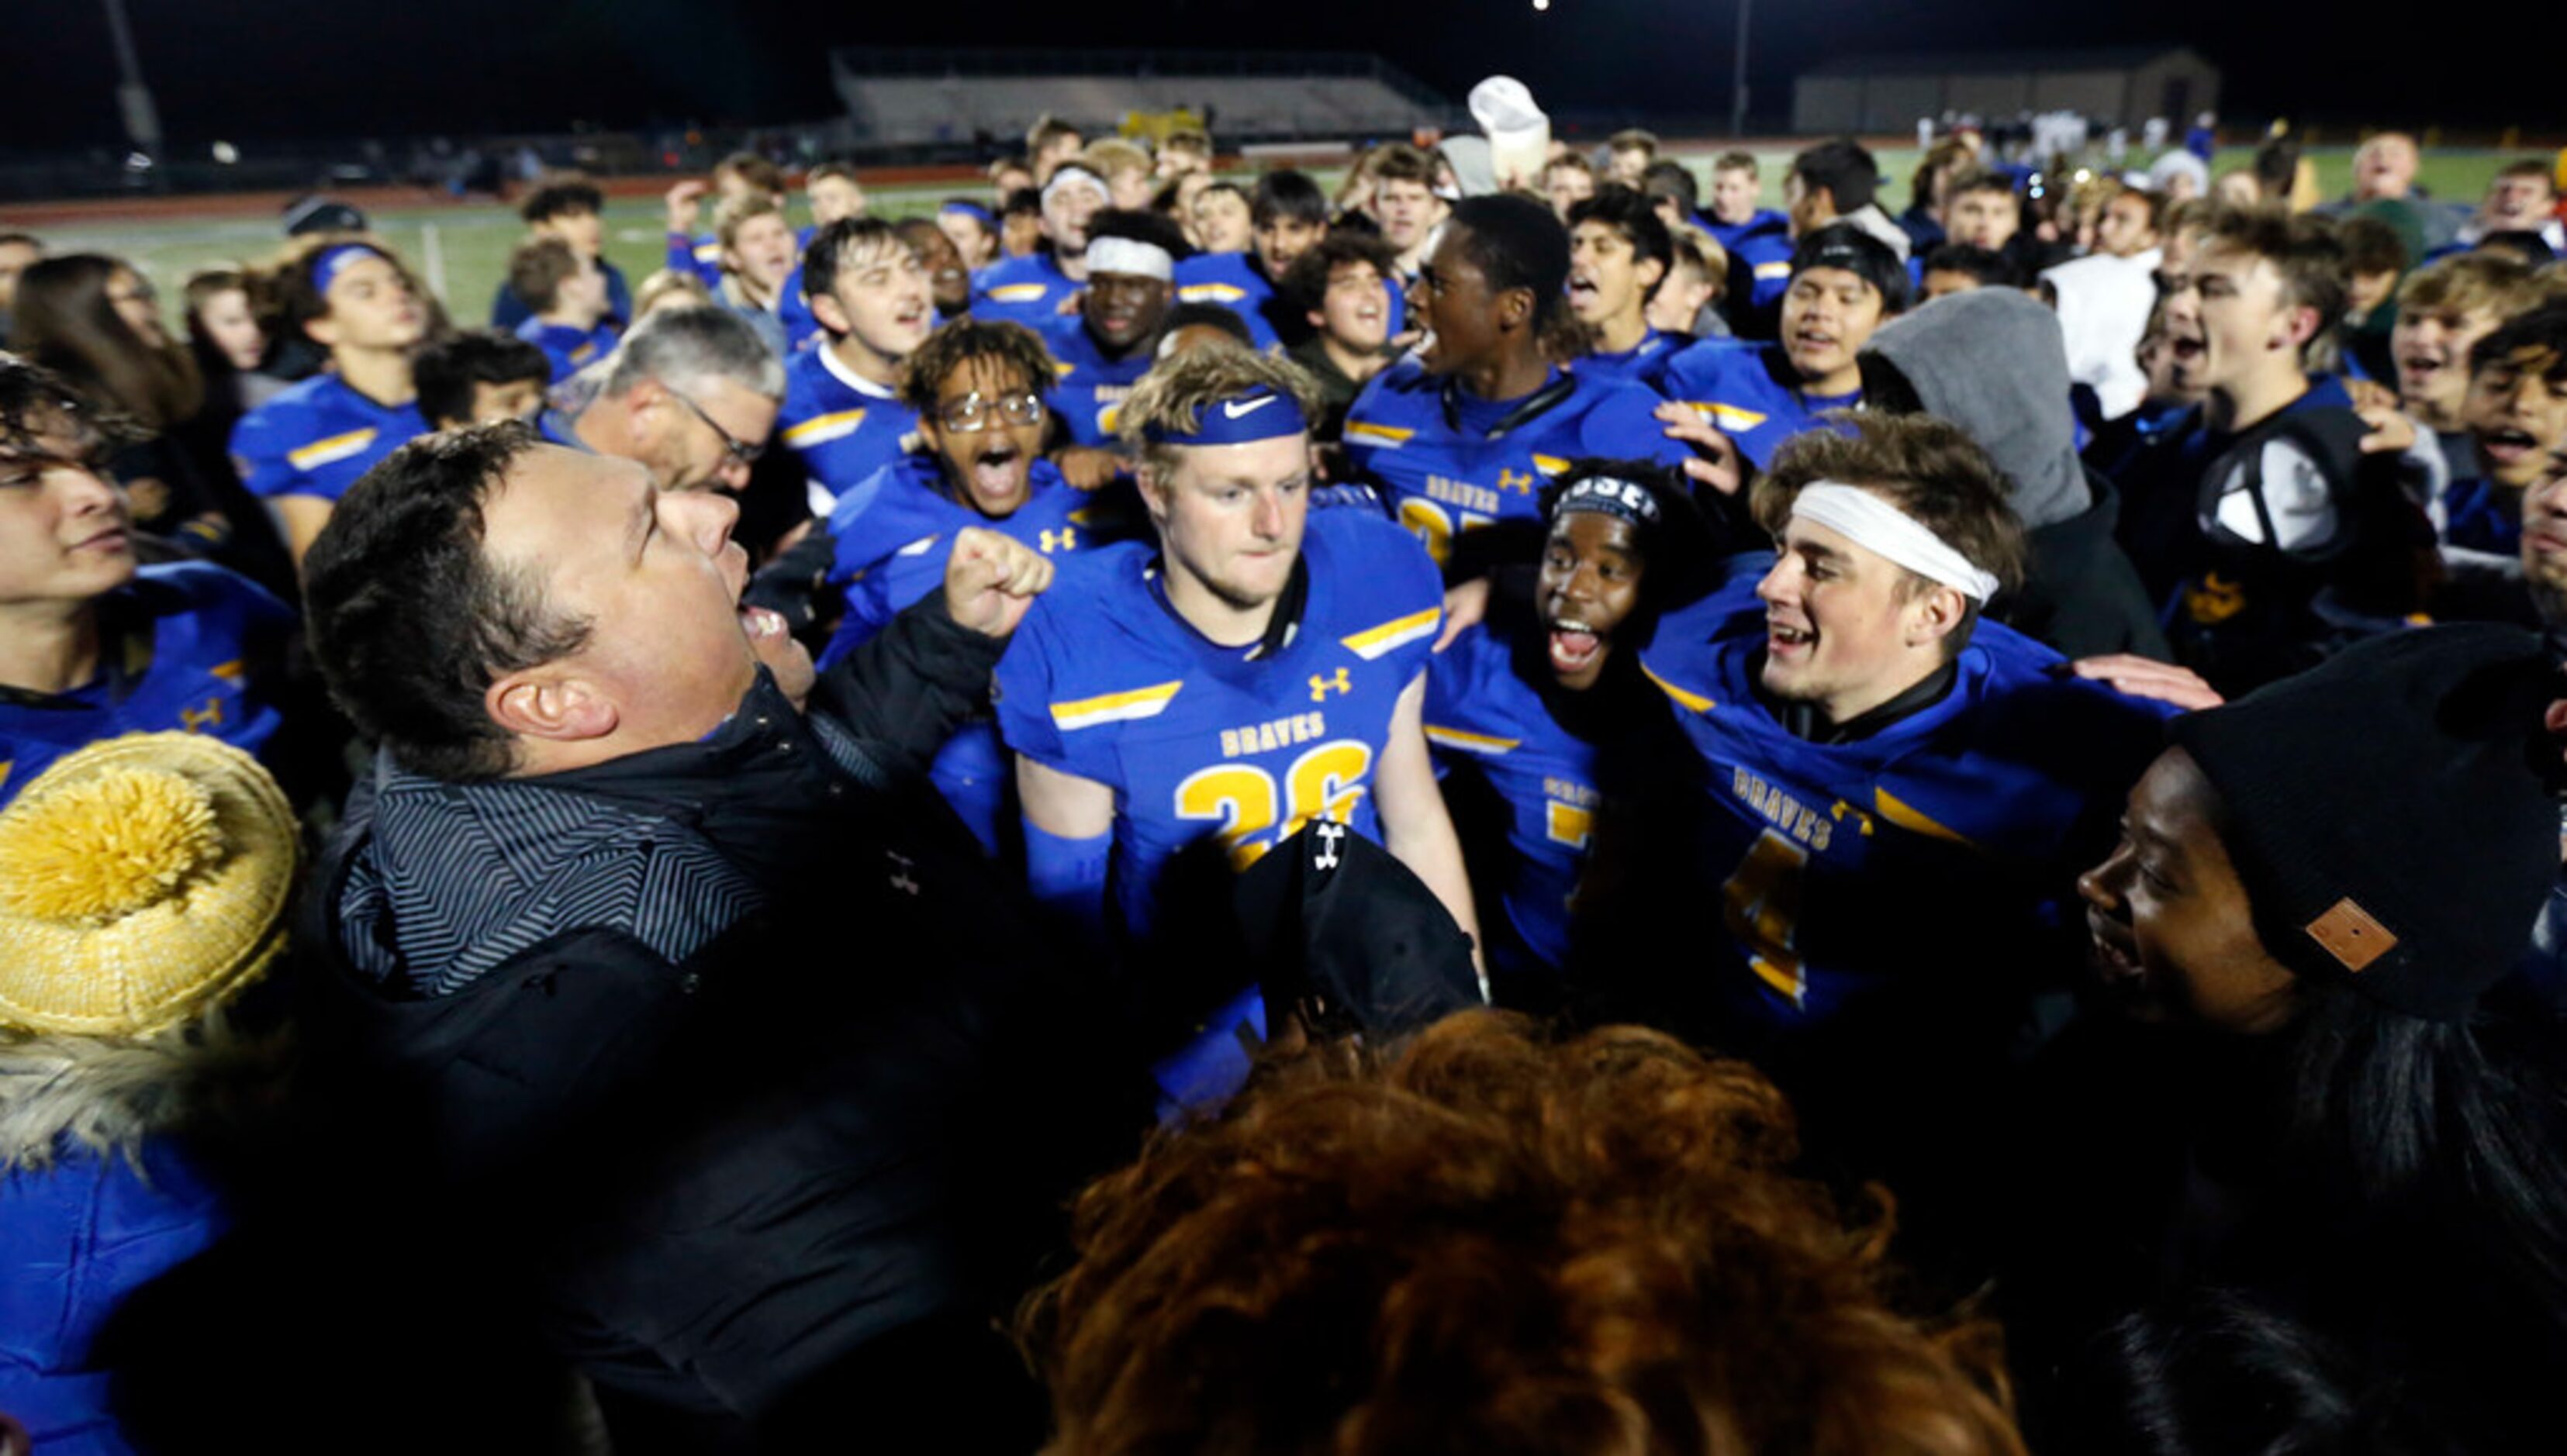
<point>463,250</point>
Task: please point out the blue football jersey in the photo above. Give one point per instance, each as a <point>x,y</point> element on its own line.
<point>893,532</point>
<point>1752,394</point>
<point>2482,515</point>
<point>701,256</point>
<point>1945,845</point>
<point>1238,282</point>
<point>316,437</point>
<point>1089,388</point>
<point>844,425</point>
<point>1759,257</point>
<point>1447,463</point>
<point>1026,290</point>
<point>802,328</point>
<point>1644,363</point>
<point>184,646</point>
<point>1482,710</point>
<point>569,349</point>
<point>1205,748</point>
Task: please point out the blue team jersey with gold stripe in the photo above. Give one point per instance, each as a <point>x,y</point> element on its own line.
<point>1448,468</point>
<point>1088,387</point>
<point>844,425</point>
<point>186,646</point>
<point>316,437</point>
<point>1238,282</point>
<point>1644,363</point>
<point>569,349</point>
<point>1211,755</point>
<point>1026,290</point>
<point>1945,846</point>
<point>1483,711</point>
<point>894,532</point>
<point>1751,394</point>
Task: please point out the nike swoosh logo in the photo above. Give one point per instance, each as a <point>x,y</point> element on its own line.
<point>1241,408</point>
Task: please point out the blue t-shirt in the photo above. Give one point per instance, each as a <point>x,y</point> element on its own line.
<point>1482,710</point>
<point>1205,747</point>
<point>1089,388</point>
<point>844,425</point>
<point>186,646</point>
<point>1643,364</point>
<point>316,437</point>
<point>893,532</point>
<point>1026,290</point>
<point>1753,395</point>
<point>569,349</point>
<point>1447,463</point>
<point>1946,844</point>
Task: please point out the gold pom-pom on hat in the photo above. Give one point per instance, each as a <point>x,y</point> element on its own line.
<point>143,879</point>
<point>96,848</point>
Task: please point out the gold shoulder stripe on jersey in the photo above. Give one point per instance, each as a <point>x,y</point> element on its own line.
<point>819,429</point>
<point>331,450</point>
<point>1379,435</point>
<point>1471,742</point>
<point>1016,293</point>
<point>1116,707</point>
<point>1694,700</point>
<point>1913,819</point>
<point>1372,643</point>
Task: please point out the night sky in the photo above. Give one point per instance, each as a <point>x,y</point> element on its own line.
<point>320,69</point>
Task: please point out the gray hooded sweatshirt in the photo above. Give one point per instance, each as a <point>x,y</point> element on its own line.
<point>1993,362</point>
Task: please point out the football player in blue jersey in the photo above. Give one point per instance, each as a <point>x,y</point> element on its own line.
<point>1757,239</point>
<point>739,178</point>
<point>975,394</point>
<point>1030,290</point>
<point>1739,406</point>
<point>1526,708</point>
<point>303,449</point>
<point>575,213</point>
<point>1618,254</point>
<point>1459,437</point>
<point>1288,216</point>
<point>843,413</point>
<point>1894,796</point>
<point>1102,350</point>
<point>1180,707</point>
<point>949,277</point>
<point>570,319</point>
<point>90,646</point>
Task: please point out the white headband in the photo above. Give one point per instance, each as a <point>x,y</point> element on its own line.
<point>1879,527</point>
<point>1132,256</point>
<point>1071,175</point>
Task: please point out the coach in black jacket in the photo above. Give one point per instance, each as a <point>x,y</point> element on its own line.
<point>678,1003</point>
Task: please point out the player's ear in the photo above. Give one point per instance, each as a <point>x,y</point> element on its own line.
<point>1937,612</point>
<point>831,315</point>
<point>1514,308</point>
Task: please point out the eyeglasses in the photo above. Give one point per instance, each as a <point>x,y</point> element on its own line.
<point>732,446</point>
<point>972,412</point>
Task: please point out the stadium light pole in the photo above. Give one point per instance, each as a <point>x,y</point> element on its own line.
<point>133,97</point>
<point>1738,78</point>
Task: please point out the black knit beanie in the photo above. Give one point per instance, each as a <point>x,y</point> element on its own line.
<point>2388,812</point>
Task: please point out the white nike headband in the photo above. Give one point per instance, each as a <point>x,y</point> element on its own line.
<point>1875,525</point>
<point>1073,176</point>
<point>1131,256</point>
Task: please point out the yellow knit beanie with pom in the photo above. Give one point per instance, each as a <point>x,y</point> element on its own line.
<point>142,880</point>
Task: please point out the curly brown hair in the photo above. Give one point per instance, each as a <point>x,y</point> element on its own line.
<point>1015,347</point>
<point>1484,1240</point>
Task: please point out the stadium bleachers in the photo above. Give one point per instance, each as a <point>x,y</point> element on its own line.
<point>946,98</point>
